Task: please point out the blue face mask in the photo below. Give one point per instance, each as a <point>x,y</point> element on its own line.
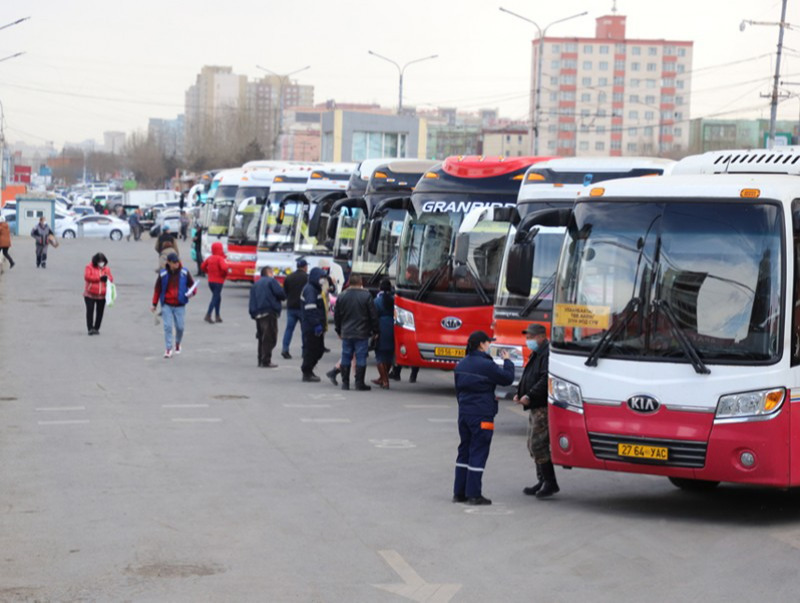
<point>532,344</point>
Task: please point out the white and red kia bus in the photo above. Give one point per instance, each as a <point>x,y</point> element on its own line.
<point>449,256</point>
<point>675,346</point>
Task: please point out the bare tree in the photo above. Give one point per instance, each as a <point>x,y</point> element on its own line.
<point>145,160</point>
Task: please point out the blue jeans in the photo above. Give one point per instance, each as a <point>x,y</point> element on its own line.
<point>357,347</point>
<point>216,298</point>
<point>173,315</point>
<point>292,319</point>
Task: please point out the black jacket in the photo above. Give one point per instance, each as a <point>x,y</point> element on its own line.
<point>476,377</point>
<point>293,286</point>
<point>265,297</point>
<point>313,309</point>
<point>355,315</point>
<point>533,382</point>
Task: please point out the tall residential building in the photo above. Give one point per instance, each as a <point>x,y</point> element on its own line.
<point>267,102</point>
<point>610,95</point>
<point>213,107</point>
<point>169,135</point>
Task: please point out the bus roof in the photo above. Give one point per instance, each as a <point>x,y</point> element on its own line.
<point>780,160</point>
<point>479,166</point>
<point>292,180</point>
<point>230,177</point>
<point>332,176</point>
<point>400,175</point>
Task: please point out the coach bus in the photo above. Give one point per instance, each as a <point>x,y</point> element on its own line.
<point>675,346</point>
<point>220,210</point>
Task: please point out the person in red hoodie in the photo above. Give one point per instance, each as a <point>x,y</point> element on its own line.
<point>216,268</point>
<point>96,275</point>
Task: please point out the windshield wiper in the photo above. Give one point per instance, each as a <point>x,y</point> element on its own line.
<point>608,336</point>
<point>433,279</point>
<point>379,270</point>
<point>537,299</point>
<point>478,286</point>
<point>686,344</point>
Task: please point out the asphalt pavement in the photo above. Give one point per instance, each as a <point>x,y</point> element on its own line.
<point>129,477</point>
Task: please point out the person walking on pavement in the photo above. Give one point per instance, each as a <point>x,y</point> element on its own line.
<point>5,240</point>
<point>266,296</point>
<point>216,267</point>
<point>41,234</point>
<point>197,249</point>
<point>355,319</point>
<point>293,287</point>
<point>532,395</point>
<point>476,377</point>
<point>135,224</point>
<point>312,321</point>
<point>184,221</point>
<point>163,238</point>
<point>384,348</point>
<point>96,276</point>
<point>174,286</point>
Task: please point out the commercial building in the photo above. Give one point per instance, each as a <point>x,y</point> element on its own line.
<point>610,95</point>
<point>719,134</point>
<point>357,135</point>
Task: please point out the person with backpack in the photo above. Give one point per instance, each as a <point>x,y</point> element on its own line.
<point>174,286</point>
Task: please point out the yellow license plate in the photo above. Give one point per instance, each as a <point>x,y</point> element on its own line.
<point>656,453</point>
<point>250,271</point>
<point>449,352</point>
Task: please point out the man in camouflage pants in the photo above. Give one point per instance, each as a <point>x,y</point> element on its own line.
<point>532,395</point>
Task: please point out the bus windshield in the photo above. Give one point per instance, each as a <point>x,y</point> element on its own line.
<point>545,260</point>
<point>245,222</point>
<point>656,278</point>
<point>221,210</point>
<point>280,236</point>
<point>365,262</point>
<point>349,220</point>
<point>428,247</point>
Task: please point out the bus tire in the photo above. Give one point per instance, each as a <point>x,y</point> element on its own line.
<point>693,485</point>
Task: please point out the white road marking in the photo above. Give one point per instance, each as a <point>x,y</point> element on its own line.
<point>413,586</point>
<point>428,405</point>
<point>494,509</point>
<point>393,444</point>
<point>60,408</point>
<point>307,405</point>
<point>326,396</point>
<point>308,420</point>
<point>197,420</point>
<point>73,422</point>
<point>184,406</point>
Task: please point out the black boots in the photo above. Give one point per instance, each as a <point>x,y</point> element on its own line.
<point>331,374</point>
<point>549,485</point>
<point>345,372</point>
<point>361,373</point>
<point>532,490</point>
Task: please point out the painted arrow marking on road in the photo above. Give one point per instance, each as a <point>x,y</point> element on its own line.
<point>413,587</point>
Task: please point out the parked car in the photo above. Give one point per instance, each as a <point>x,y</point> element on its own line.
<point>83,210</point>
<point>93,225</point>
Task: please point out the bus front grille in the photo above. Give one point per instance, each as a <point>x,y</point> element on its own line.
<point>681,453</point>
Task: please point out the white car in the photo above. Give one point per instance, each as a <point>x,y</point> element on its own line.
<point>98,226</point>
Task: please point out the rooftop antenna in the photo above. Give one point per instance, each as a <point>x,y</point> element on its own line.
<point>614,7</point>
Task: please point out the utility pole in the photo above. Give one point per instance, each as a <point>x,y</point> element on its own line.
<point>401,71</point>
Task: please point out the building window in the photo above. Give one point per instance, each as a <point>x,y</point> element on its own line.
<point>649,115</point>
<point>678,116</point>
<point>651,66</point>
<point>635,83</point>
<point>668,99</point>
<point>584,112</point>
<point>587,65</point>
<point>618,97</point>
<point>678,132</point>
<point>666,129</point>
<point>633,114</point>
<point>678,100</point>
<point>551,144</point>
<point>649,100</point>
<point>601,112</point>
<point>616,145</point>
<point>567,95</point>
<point>631,131</point>
<point>602,81</point>
<point>555,64</point>
<point>665,115</point>
<point>552,128</point>
<point>681,51</point>
<point>603,65</point>
<point>588,49</point>
<point>635,66</point>
<point>648,131</point>
<point>372,145</point>
<point>584,128</point>
<point>669,50</point>
<point>633,98</point>
<point>508,137</point>
<point>568,80</point>
<point>602,97</point>
<point>649,83</point>
<point>600,129</point>
<point>619,65</point>
<point>586,97</point>
<point>586,81</point>
<point>669,66</point>
<point>569,64</point>
<point>637,50</point>
<point>619,80</point>
<point>652,51</point>
<point>566,143</point>
<point>555,49</point>
<point>599,146</point>
<point>668,82</point>
<point>554,96</point>
<point>631,147</point>
<point>583,145</point>
<point>680,67</point>
<point>554,80</point>
<point>603,49</point>
<point>619,49</point>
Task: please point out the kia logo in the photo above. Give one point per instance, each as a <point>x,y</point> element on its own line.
<point>643,404</point>
<point>451,323</point>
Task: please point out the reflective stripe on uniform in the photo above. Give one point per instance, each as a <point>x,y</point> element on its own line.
<point>310,306</point>
<point>479,469</point>
<point>487,425</point>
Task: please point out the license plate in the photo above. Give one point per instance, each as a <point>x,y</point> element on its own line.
<point>449,352</point>
<point>250,271</point>
<point>657,453</point>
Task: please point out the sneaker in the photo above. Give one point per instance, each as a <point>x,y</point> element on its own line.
<point>168,353</point>
<point>177,348</point>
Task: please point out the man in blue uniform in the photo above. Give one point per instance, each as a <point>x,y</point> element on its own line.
<point>476,377</point>
<point>313,319</point>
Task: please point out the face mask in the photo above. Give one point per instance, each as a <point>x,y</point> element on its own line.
<point>532,344</point>
<point>101,265</point>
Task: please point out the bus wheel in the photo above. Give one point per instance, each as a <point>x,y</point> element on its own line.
<point>693,485</point>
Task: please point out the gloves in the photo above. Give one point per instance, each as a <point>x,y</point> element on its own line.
<point>103,279</point>
<point>318,330</point>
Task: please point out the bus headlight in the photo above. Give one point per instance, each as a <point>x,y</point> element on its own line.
<point>235,257</point>
<point>404,318</point>
<point>751,404</point>
<point>564,394</point>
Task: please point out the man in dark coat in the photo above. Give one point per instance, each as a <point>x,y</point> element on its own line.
<point>476,377</point>
<point>265,308</point>
<point>293,287</point>
<point>312,323</point>
<point>532,395</point>
<point>356,319</point>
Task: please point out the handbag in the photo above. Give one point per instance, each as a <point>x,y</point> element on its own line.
<point>111,294</point>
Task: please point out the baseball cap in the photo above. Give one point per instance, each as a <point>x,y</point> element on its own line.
<point>476,338</point>
<point>534,329</point>
<point>165,228</point>
<point>173,257</point>
<point>301,263</point>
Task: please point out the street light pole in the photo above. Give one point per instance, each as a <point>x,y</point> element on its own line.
<point>538,92</point>
<point>281,79</point>
<point>401,71</point>
<point>773,110</point>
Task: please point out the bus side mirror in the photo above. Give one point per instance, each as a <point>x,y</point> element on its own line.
<point>281,215</point>
<point>333,224</point>
<point>313,223</point>
<point>518,280</point>
<point>461,253</point>
<point>374,236</point>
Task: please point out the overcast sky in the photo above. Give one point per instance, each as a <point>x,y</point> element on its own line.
<point>95,65</point>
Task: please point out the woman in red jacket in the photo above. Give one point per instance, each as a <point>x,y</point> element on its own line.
<point>216,268</point>
<point>97,274</point>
